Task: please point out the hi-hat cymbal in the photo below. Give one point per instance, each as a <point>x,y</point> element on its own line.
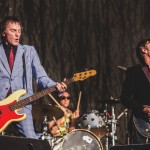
<point>111,100</point>
<point>39,111</point>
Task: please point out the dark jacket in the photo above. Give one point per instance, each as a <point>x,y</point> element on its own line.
<point>136,90</point>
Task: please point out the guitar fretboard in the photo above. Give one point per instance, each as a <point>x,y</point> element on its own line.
<point>36,96</point>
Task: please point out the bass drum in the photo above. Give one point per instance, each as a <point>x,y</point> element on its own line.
<point>80,139</point>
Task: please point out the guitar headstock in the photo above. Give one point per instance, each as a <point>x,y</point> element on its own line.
<point>84,75</point>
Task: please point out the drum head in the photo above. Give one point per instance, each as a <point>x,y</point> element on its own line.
<point>91,120</point>
<point>81,140</point>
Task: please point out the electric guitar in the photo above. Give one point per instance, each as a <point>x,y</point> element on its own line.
<point>142,125</point>
<point>10,105</point>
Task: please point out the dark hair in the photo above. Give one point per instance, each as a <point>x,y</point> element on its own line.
<point>6,20</point>
<point>59,94</point>
<point>139,46</point>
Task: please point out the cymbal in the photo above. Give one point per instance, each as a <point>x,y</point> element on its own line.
<point>111,101</point>
<point>39,111</point>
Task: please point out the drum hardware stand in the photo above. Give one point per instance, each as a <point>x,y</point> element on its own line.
<point>127,133</point>
<point>107,116</point>
<point>110,120</point>
<point>89,127</point>
<point>107,141</point>
<point>113,126</point>
<point>125,112</point>
<point>45,128</point>
<point>45,135</point>
<point>79,125</point>
<point>105,112</point>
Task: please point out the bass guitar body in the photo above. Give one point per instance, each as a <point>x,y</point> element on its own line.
<point>7,115</point>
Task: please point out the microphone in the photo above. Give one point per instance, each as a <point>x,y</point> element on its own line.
<point>122,113</point>
<point>121,67</point>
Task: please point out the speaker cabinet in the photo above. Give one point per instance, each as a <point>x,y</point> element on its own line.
<point>19,143</point>
<point>131,147</point>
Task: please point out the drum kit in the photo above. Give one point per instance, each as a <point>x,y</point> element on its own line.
<point>103,125</point>
<point>78,139</point>
<point>94,130</point>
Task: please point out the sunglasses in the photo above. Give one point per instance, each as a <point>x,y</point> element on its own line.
<point>63,97</point>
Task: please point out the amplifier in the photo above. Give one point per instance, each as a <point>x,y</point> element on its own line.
<point>19,143</point>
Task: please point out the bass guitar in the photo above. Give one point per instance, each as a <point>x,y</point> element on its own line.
<point>9,107</point>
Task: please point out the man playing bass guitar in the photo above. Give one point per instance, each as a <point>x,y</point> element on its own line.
<point>18,65</point>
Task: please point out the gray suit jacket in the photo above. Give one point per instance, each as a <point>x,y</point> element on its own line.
<point>15,80</point>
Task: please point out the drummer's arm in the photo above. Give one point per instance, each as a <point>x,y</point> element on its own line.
<point>54,126</point>
<point>75,116</point>
<point>72,125</point>
<point>51,124</point>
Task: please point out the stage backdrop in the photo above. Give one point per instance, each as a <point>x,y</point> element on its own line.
<point>72,36</point>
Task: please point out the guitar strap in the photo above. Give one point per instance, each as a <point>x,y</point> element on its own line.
<point>24,70</point>
<point>146,72</point>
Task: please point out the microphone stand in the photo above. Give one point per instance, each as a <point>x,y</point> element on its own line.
<point>125,112</point>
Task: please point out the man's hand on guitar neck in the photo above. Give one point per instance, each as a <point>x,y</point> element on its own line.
<point>61,86</point>
<point>146,110</point>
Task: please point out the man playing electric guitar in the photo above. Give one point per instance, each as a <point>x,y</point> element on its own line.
<point>136,94</point>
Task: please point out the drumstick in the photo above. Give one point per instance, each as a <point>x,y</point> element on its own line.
<point>54,100</point>
<point>79,99</point>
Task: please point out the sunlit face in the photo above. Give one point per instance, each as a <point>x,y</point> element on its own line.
<point>148,48</point>
<point>12,33</point>
<point>65,99</point>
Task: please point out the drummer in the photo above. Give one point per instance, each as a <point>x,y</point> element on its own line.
<point>66,124</point>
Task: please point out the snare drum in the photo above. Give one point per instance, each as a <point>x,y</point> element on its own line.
<point>79,139</point>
